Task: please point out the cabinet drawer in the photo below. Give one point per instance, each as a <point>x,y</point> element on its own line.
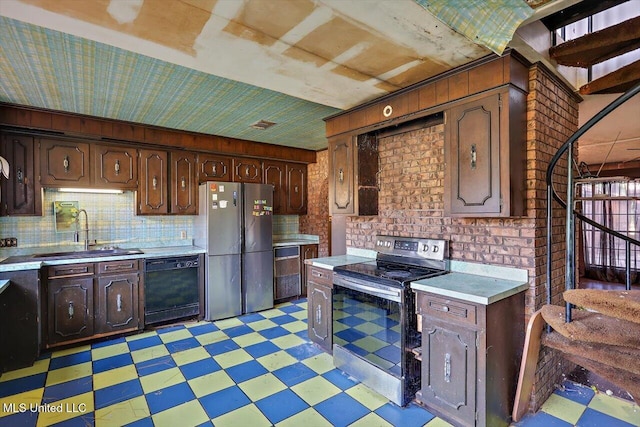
<point>446,309</point>
<point>320,275</point>
<point>70,270</point>
<point>126,265</point>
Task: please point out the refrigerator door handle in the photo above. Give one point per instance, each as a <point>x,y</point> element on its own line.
<point>235,198</point>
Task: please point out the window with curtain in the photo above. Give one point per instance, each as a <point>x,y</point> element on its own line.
<point>616,205</point>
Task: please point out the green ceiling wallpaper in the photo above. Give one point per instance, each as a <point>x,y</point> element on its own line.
<point>50,69</point>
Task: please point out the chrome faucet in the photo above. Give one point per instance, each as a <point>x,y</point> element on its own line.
<point>85,229</point>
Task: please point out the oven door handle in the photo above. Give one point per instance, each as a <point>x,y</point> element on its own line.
<point>382,293</point>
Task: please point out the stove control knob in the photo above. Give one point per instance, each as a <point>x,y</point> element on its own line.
<point>436,248</point>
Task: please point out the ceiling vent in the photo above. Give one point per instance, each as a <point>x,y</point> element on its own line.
<point>262,124</point>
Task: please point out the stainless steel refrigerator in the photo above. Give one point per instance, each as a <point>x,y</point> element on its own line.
<point>235,227</point>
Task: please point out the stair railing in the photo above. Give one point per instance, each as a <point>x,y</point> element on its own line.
<point>572,214</point>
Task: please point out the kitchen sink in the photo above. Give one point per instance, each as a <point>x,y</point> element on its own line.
<point>86,254</point>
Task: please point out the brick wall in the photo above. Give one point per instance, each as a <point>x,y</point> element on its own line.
<point>316,221</point>
<point>411,204</point>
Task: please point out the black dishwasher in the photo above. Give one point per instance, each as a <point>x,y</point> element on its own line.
<point>171,289</point>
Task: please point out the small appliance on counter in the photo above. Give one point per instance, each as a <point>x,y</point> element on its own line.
<point>235,227</point>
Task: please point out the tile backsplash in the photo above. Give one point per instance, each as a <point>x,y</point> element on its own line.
<point>112,221</point>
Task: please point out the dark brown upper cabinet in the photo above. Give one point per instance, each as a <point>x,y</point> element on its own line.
<point>114,167</point>
<point>296,189</point>
<point>247,170</point>
<point>152,195</point>
<point>351,193</point>
<point>21,192</point>
<point>212,167</point>
<point>275,174</point>
<point>485,154</point>
<point>184,189</point>
<point>64,163</point>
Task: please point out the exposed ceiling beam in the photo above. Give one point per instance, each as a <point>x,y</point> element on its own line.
<point>615,82</point>
<point>577,12</point>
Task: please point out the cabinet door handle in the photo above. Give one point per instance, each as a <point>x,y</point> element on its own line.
<point>117,167</point>
<point>474,156</point>
<point>318,314</point>
<point>246,171</point>
<point>214,170</point>
<point>71,311</point>
<point>154,183</point>
<point>341,176</point>
<point>20,176</point>
<point>295,189</point>
<point>119,302</point>
<point>447,367</point>
<point>65,163</point>
<point>183,183</point>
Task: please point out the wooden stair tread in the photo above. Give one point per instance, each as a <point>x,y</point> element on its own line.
<point>593,327</point>
<point>626,380</point>
<point>621,304</point>
<point>625,358</point>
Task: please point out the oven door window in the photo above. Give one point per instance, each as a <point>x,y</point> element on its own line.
<point>368,326</point>
<point>167,289</point>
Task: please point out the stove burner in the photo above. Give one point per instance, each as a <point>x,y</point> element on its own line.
<point>396,274</point>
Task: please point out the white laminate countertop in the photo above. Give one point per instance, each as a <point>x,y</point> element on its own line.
<point>295,240</point>
<point>470,287</point>
<point>335,261</point>
<point>4,284</point>
<point>23,262</point>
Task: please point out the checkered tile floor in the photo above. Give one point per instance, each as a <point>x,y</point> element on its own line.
<point>254,370</point>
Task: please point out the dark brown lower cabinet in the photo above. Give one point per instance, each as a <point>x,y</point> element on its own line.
<point>19,320</point>
<point>470,358</point>
<point>84,301</point>
<point>319,306</point>
<point>117,297</point>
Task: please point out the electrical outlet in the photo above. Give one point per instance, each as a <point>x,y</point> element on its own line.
<point>8,242</point>
<point>183,234</point>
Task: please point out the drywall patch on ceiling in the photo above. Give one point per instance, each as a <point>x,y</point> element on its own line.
<point>124,11</point>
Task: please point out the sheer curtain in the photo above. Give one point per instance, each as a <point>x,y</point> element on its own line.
<point>615,204</point>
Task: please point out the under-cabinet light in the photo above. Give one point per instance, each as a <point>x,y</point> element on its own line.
<point>90,190</point>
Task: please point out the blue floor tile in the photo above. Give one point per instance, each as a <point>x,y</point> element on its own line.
<point>221,347</point>
<point>340,379</point>
<point>341,409</point>
<point>576,392</point>
<point>141,343</point>
<point>182,345</point>
<point>145,422</point>
<point>117,393</point>
<point>542,419</point>
<point>27,418</point>
<point>108,342</point>
<point>69,360</point>
<point>246,371</point>
<point>224,401</point>
<point>20,385</point>
<point>169,397</point>
<point>199,368</point>
<point>172,328</point>
<point>410,416</point>
<point>304,351</point>
<point>283,320</point>
<point>250,318</point>
<point>112,362</point>
<point>294,374</point>
<point>262,349</point>
<point>275,332</point>
<point>152,366</point>
<point>593,418</point>
<point>237,331</point>
<point>67,389</point>
<point>203,329</point>
<point>281,405</point>
<point>293,308</point>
